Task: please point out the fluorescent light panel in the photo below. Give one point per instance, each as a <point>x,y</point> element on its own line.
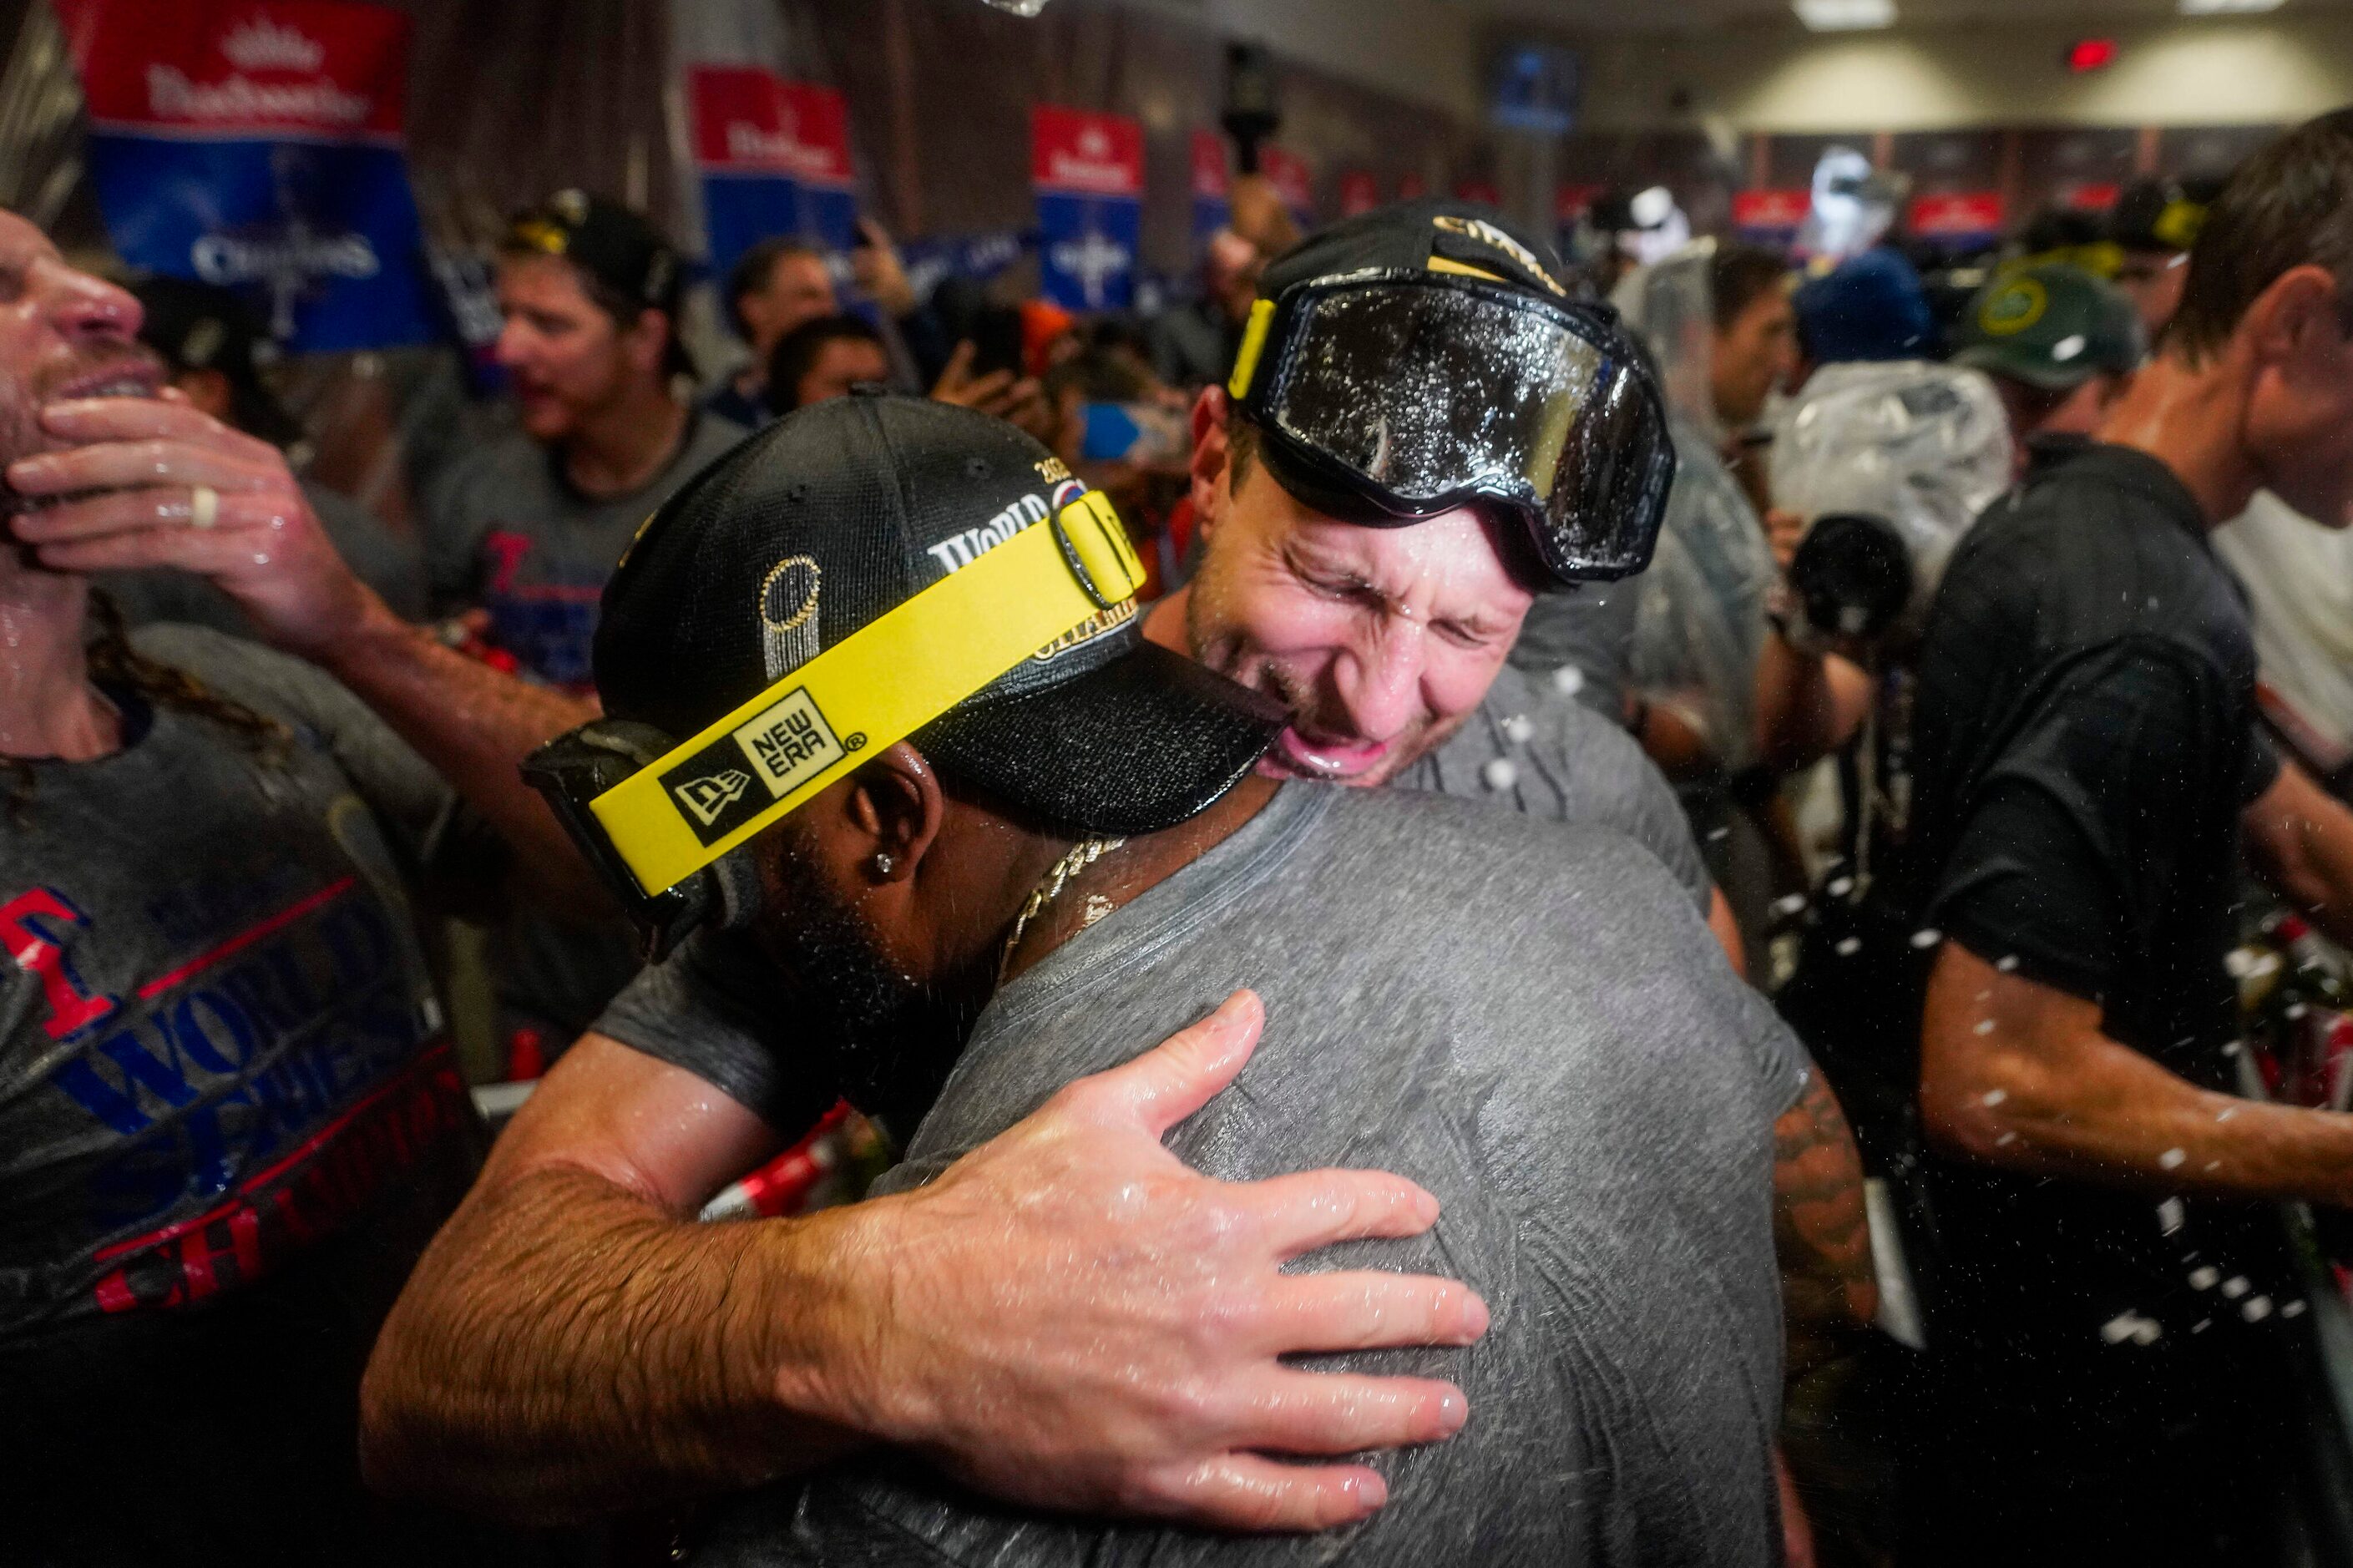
<point>2226,7</point>
<point>1852,15</point>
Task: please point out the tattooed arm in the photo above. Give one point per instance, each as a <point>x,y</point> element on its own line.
<point>1821,1232</point>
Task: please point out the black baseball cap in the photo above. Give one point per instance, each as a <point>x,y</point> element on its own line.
<point>842,511</point>
<point>615,246</point>
<point>2051,326</point>
<point>2161,214</point>
<point>202,326</point>
<point>1432,234</point>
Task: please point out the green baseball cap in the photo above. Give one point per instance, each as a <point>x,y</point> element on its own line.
<point>2050,326</point>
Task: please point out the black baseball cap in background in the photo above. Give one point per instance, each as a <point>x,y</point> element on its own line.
<point>617,247</point>
<point>202,326</point>
<point>840,511</point>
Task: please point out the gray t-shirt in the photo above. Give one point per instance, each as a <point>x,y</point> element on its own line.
<point>1588,630</point>
<point>1530,1022</point>
<point>1561,760</point>
<point>506,532</point>
<point>1572,766</point>
<point>215,971</point>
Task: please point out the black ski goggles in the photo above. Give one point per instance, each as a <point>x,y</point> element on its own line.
<point>1416,392</point>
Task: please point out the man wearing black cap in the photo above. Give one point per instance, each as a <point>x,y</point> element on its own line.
<point>2059,346</point>
<point>879,714</point>
<point>529,529</point>
<point>2153,225</point>
<point>214,356</point>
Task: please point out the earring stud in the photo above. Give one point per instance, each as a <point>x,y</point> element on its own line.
<point>883,864</point>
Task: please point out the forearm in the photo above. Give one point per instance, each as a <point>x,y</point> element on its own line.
<point>475,725</point>
<point>1822,1231</point>
<point>1807,704</point>
<point>2040,1090</point>
<point>565,1346</point>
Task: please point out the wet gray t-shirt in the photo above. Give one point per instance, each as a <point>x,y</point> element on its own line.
<point>1532,1022</point>
<point>1566,765</point>
<point>1534,749</point>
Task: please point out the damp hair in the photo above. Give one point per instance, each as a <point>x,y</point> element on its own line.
<point>1739,276</point>
<point>114,663</point>
<point>797,351</point>
<point>2289,206</point>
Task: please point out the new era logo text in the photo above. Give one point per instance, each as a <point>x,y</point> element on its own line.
<point>789,744</point>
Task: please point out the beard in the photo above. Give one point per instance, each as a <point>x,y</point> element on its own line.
<point>892,1038</point>
<point>129,369</point>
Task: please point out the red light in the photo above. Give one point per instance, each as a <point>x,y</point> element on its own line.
<point>2087,55</point>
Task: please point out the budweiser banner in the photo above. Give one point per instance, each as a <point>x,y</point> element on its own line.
<point>774,156</point>
<point>258,145</point>
<point>1088,171</point>
<point>1771,216</point>
<point>1965,217</point>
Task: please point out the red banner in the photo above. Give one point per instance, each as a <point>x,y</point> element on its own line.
<point>1569,202</point>
<point>1412,187</point>
<point>1085,153</point>
<point>1771,211</point>
<point>1209,166</point>
<point>2091,196</point>
<point>1478,191</point>
<point>1359,192</point>
<point>1294,186</point>
<point>1964,213</point>
<point>283,68</point>
<point>750,121</point>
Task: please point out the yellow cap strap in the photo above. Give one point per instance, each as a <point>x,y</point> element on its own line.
<point>1261,316</point>
<point>880,684</point>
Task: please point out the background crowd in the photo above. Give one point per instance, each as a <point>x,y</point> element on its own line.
<point>1870,703</point>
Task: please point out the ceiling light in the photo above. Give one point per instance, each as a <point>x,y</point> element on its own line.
<point>1849,16</point>
<point>2226,7</point>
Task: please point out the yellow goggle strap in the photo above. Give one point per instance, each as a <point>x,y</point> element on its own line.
<point>895,676</point>
<point>1253,344</point>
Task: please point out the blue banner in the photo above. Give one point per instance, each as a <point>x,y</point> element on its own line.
<point>258,146</point>
<point>325,239</point>
<point>1086,250</point>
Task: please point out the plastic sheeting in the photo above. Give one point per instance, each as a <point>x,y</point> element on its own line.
<point>1925,447</point>
<point>1700,625</point>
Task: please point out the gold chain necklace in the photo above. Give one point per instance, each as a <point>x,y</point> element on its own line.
<point>1049,888</point>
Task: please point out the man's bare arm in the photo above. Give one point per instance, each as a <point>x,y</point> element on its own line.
<point>1807,704</point>
<point>2301,840</point>
<point>131,486</point>
<point>1822,1231</point>
<point>2018,1075</point>
<point>1068,1318</point>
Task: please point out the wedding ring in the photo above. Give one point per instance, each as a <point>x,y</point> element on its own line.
<point>204,507</point>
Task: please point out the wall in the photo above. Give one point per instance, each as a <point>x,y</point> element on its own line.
<point>1778,78</point>
<point>1417,49</point>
